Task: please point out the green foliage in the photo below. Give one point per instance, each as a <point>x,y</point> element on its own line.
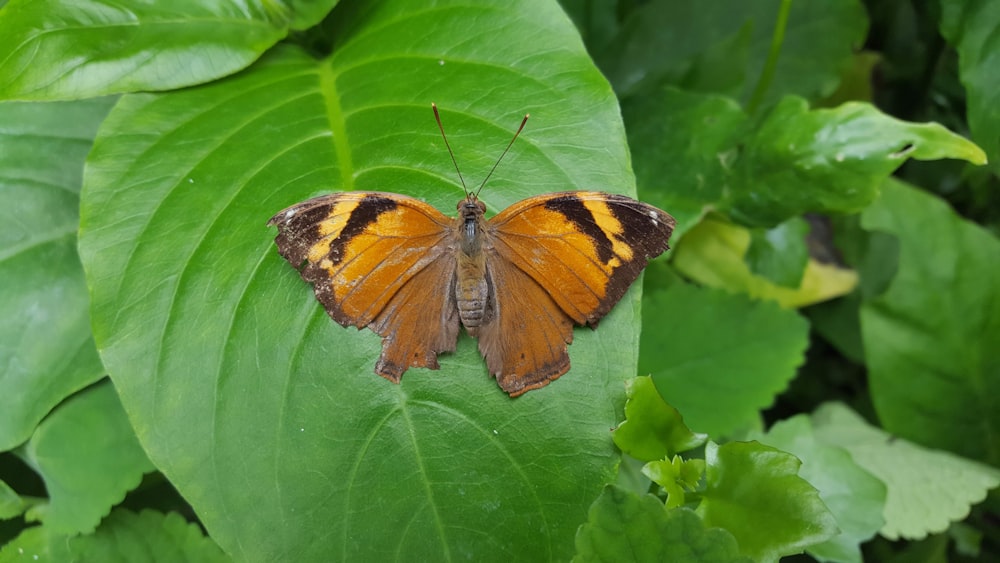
<point>625,526</point>
<point>58,50</point>
<point>728,358</point>
<point>751,122</point>
<point>754,491</point>
<point>715,254</point>
<point>843,154</point>
<point>854,496</point>
<point>48,351</point>
<point>677,477</point>
<point>652,428</point>
<point>11,504</point>
<point>694,44</point>
<point>88,456</point>
<point>970,25</point>
<point>124,536</point>
<point>780,253</point>
<point>925,489</point>
<point>931,338</point>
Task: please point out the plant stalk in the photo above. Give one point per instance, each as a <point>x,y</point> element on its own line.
<point>767,75</point>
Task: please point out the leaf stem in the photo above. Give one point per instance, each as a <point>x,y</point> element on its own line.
<point>767,75</point>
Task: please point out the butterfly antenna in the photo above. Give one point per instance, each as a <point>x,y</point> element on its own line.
<point>451,153</point>
<point>510,144</point>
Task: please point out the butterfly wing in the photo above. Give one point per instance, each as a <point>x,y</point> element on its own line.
<point>379,260</point>
<point>524,341</point>
<point>568,256</point>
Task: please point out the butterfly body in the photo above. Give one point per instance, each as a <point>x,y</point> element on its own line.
<point>518,281</point>
<point>472,285</point>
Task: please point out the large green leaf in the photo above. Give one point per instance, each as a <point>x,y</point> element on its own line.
<point>46,348</point>
<point>89,458</point>
<point>971,26</point>
<point>719,358</point>
<point>264,413</point>
<point>931,339</point>
<point>64,49</point>
<point>926,490</point>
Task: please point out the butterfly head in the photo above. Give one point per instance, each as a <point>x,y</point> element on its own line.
<point>470,205</point>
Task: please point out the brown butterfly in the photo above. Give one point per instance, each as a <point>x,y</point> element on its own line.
<point>518,281</point>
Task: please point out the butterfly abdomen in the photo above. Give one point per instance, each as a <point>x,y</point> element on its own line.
<point>472,291</point>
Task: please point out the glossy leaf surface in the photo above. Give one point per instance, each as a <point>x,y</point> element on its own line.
<point>236,378</point>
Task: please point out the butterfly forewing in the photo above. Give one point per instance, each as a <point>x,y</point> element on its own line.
<point>584,248</point>
<point>380,260</point>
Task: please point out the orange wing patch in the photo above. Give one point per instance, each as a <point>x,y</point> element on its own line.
<point>373,259</point>
<point>360,248</point>
<point>584,248</point>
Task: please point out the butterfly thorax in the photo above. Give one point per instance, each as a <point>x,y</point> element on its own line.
<point>472,288</point>
<point>470,215</point>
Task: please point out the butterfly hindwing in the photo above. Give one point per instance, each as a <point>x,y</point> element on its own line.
<point>525,340</point>
<point>380,260</point>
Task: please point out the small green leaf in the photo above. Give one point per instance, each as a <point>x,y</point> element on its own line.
<point>927,489</point>
<point>125,536</point>
<point>11,504</point>
<point>970,25</point>
<point>47,350</point>
<point>59,49</point>
<point>713,253</point>
<point>88,456</point>
<point>675,476</point>
<point>931,338</point>
<point>780,254</point>
<point>623,526</point>
<point>719,358</point>
<point>854,496</point>
<point>830,160</point>
<point>754,492</point>
<point>652,428</point>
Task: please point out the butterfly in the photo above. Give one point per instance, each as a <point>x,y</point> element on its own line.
<point>518,282</point>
